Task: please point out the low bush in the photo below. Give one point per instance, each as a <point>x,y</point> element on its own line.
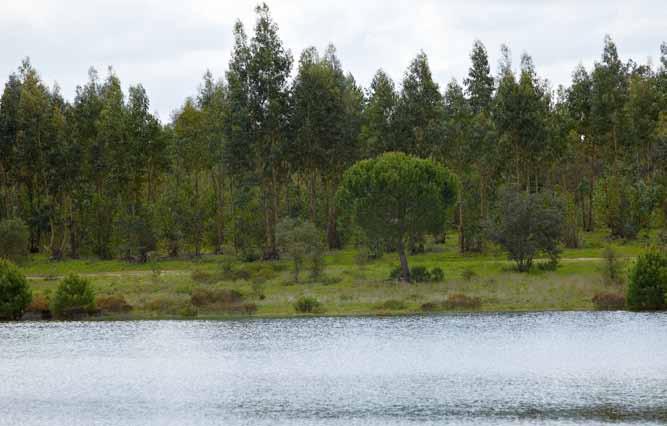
<point>608,301</point>
<point>113,304</point>
<point>392,305</point>
<point>461,301</point>
<point>15,293</point>
<point>307,305</point>
<point>648,282</point>
<point>203,277</point>
<point>430,306</point>
<point>437,275</point>
<point>38,308</point>
<point>201,297</point>
<point>74,298</point>
<point>420,274</point>
<point>612,269</point>
<point>250,308</point>
<point>468,274</point>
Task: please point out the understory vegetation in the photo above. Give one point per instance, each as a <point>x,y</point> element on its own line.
<point>284,187</point>
<point>221,286</point>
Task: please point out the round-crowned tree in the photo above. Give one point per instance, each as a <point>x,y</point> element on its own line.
<point>648,282</point>
<point>15,294</point>
<point>396,197</point>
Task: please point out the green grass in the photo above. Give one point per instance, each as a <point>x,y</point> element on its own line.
<point>346,287</point>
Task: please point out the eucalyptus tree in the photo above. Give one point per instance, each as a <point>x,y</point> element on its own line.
<point>326,122</point>
<point>419,111</point>
<point>608,97</point>
<point>479,82</point>
<point>32,139</point>
<point>269,66</point>
<point>213,100</point>
<point>9,103</point>
<point>377,131</point>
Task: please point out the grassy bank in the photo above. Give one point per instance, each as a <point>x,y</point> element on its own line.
<point>164,289</point>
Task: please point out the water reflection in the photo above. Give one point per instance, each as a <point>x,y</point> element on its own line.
<point>562,368</point>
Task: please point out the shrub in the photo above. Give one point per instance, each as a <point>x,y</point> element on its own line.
<point>115,304</point>
<point>527,224</point>
<point>39,307</point>
<point>612,270</point>
<point>249,308</point>
<point>73,298</point>
<point>461,301</point>
<point>223,297</point>
<point>429,307</point>
<point>392,305</point>
<point>202,277</point>
<point>15,293</point>
<point>14,236</point>
<point>608,301</point>
<point>437,275</point>
<point>648,282</point>
<point>420,274</point>
<point>303,242</point>
<point>395,274</point>
<point>468,274</point>
<point>307,305</point>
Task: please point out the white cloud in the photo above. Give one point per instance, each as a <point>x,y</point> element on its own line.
<point>167,45</point>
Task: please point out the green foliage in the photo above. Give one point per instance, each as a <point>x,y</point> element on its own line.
<point>396,197</point>
<point>392,305</point>
<point>527,224</point>
<point>308,305</point>
<point>648,282</point>
<point>14,237</point>
<point>302,242</point>
<point>612,269</point>
<point>625,207</point>
<point>15,293</point>
<point>73,298</point>
<point>420,274</point>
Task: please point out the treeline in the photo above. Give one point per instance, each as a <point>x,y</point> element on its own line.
<point>103,176</point>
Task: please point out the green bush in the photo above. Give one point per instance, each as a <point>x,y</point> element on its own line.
<point>612,270</point>
<point>15,294</point>
<point>74,298</point>
<point>222,297</point>
<point>14,236</point>
<point>420,274</point>
<point>392,305</point>
<point>307,305</point>
<point>304,243</point>
<point>648,282</point>
<point>437,275</point>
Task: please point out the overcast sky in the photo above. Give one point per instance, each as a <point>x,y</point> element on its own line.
<point>167,45</point>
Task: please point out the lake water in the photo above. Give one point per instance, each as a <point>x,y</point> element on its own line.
<point>534,368</point>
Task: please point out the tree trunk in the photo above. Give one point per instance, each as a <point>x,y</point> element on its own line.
<point>311,198</point>
<point>405,269</point>
<point>462,239</point>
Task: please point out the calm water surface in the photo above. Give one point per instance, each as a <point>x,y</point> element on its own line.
<point>542,368</point>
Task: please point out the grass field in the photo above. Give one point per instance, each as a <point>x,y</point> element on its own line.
<point>163,289</point>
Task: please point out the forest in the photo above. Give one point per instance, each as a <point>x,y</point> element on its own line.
<point>271,140</point>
